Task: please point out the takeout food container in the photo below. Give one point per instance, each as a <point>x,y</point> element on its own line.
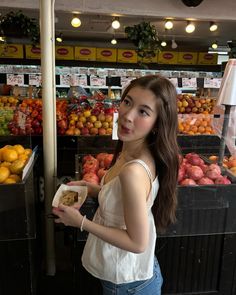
<point>81,190</point>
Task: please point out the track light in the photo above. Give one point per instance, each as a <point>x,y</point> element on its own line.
<point>115,24</point>
<point>213,27</point>
<point>163,43</point>
<point>190,28</point>
<point>214,45</point>
<point>59,38</point>
<point>75,22</point>
<point>174,45</point>
<point>168,25</point>
<point>113,41</point>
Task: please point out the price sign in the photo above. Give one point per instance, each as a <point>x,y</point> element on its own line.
<point>35,80</point>
<point>65,80</point>
<point>174,81</point>
<point>15,79</point>
<point>212,82</point>
<point>97,81</point>
<point>189,82</point>
<point>77,80</point>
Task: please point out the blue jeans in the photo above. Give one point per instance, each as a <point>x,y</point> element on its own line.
<point>151,286</point>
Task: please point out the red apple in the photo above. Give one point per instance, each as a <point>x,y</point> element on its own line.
<point>101,172</point>
<point>90,166</point>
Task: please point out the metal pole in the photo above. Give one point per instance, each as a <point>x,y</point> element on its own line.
<point>224,134</point>
<point>49,123</point>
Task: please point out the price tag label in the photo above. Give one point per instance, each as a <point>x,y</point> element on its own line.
<point>65,80</point>
<point>189,82</point>
<point>97,81</point>
<point>77,80</point>
<point>174,81</point>
<point>115,126</point>
<point>15,79</point>
<point>35,80</point>
<point>212,82</point>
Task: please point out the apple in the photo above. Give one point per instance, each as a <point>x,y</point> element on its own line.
<point>88,125</point>
<point>101,117</point>
<point>88,158</point>
<point>87,113</point>
<point>77,131</point>
<point>105,125</point>
<point>102,131</point>
<point>93,131</point>
<point>108,118</point>
<point>107,160</point>
<point>84,131</point>
<point>92,119</point>
<point>101,156</point>
<point>79,125</point>
<point>98,124</point>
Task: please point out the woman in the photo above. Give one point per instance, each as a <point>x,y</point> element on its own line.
<point>137,195</point>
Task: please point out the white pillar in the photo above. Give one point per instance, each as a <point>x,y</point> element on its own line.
<point>47,39</point>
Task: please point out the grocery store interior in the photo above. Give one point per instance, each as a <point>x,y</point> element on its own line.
<point>63,67</point>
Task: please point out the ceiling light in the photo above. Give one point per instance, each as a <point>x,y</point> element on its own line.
<point>75,22</point>
<point>214,45</point>
<point>115,24</point>
<point>59,38</point>
<point>174,45</point>
<point>168,25</point>
<point>2,39</point>
<point>163,43</point>
<point>114,41</point>
<point>213,27</point>
<point>190,28</point>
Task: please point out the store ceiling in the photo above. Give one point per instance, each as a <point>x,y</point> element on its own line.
<point>96,17</point>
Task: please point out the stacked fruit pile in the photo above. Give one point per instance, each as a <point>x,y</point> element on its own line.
<point>187,103</point>
<point>195,124</point>
<point>91,120</point>
<point>27,118</point>
<point>229,162</point>
<point>194,171</point>
<point>95,167</point>
<point>12,162</point>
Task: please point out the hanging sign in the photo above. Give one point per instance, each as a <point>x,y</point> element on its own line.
<point>15,79</point>
<point>35,79</point>
<point>85,53</point>
<point>32,52</point>
<point>97,81</point>
<point>189,82</point>
<point>64,52</point>
<point>212,82</point>
<point>167,57</point>
<point>187,58</point>
<point>106,54</point>
<point>127,56</point>
<point>65,80</point>
<point>11,51</point>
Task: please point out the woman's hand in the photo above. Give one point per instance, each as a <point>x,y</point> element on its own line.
<point>68,215</point>
<point>93,189</point>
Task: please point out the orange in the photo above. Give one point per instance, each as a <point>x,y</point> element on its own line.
<point>201,129</point>
<point>9,155</point>
<point>193,128</point>
<point>204,123</point>
<point>19,149</point>
<point>5,164</point>
<point>17,166</point>
<point>28,152</point>
<point>15,177</point>
<point>4,174</point>
<point>9,181</point>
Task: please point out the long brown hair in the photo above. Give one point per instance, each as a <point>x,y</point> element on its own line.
<point>163,146</point>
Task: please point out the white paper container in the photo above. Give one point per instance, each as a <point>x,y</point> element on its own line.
<point>81,190</point>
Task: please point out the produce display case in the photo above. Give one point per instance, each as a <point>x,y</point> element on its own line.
<point>19,228</point>
<point>197,253</point>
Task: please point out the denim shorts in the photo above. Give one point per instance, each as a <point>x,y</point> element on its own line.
<point>151,286</point>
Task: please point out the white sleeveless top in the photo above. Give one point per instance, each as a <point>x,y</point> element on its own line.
<point>111,263</point>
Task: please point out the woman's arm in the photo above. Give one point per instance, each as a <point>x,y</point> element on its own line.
<point>135,189</point>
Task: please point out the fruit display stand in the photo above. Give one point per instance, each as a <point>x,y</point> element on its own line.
<point>197,254</point>
<point>18,231</point>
